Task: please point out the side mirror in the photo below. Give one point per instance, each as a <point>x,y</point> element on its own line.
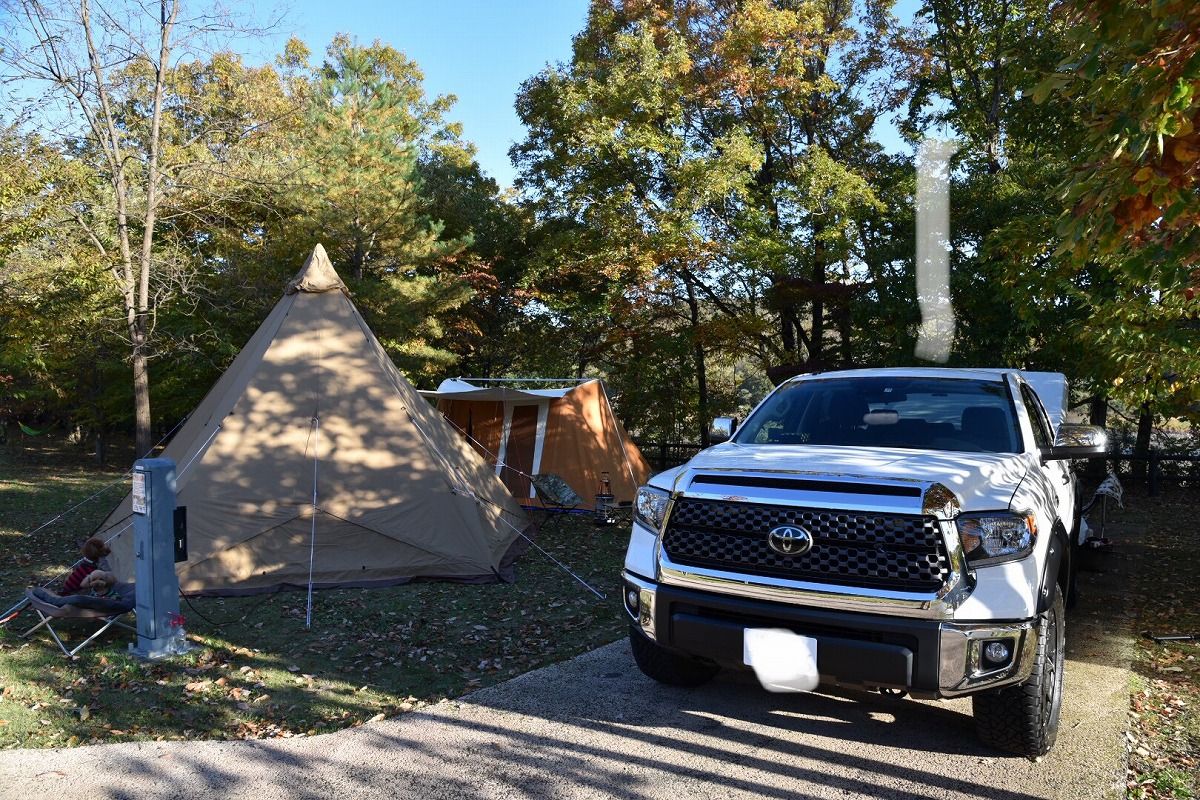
<point>722,429</point>
<point>1077,441</point>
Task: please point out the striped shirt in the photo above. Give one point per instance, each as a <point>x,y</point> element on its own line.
<point>73,581</point>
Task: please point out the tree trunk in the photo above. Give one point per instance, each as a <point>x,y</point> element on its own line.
<point>846,333</point>
<point>1141,445</point>
<point>143,441</point>
<point>789,325</point>
<point>358,260</point>
<point>1097,468</point>
<point>102,445</point>
<point>698,357</point>
<point>816,343</point>
<point>788,335</point>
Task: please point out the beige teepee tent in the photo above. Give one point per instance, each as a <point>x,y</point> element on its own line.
<point>570,430</point>
<point>313,462</point>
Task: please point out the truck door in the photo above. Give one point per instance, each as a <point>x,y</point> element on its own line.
<point>1060,479</point>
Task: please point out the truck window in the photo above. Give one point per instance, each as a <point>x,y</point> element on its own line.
<point>1042,436</point>
<point>900,412</point>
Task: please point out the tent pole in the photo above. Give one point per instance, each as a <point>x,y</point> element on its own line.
<point>312,540</point>
<point>466,491</point>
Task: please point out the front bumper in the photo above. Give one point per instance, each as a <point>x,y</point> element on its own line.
<point>925,657</point>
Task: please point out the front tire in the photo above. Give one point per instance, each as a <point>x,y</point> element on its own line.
<point>1023,719</point>
<point>667,667</point>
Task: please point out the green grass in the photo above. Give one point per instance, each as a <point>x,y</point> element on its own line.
<point>256,670</point>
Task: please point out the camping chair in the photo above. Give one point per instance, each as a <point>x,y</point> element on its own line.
<point>555,495</point>
<point>1110,487</point>
<point>52,608</point>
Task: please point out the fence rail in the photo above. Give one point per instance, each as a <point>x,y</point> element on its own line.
<point>1155,469</point>
<point>664,455</point>
<point>1152,470</point>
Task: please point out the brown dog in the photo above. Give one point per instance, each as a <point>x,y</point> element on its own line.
<point>95,549</point>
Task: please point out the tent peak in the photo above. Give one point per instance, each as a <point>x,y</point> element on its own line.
<point>316,276</point>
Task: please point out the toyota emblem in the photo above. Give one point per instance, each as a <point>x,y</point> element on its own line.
<point>790,540</point>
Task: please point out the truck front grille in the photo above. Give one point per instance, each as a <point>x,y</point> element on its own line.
<point>902,552</point>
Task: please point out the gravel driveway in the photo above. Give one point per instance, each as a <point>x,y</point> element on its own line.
<point>594,727</point>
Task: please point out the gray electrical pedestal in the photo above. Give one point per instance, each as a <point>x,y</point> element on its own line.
<point>155,542</point>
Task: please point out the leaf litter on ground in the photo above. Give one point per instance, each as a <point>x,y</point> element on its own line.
<point>255,670</point>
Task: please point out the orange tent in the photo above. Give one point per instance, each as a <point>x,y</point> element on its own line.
<point>523,431</point>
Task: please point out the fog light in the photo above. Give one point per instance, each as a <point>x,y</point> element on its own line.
<point>631,600</point>
<point>997,653</point>
<point>645,611</point>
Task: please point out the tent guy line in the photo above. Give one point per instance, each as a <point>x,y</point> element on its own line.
<point>99,491</point>
<point>468,493</point>
<point>78,505</point>
<point>23,602</point>
<point>461,489</point>
<point>401,495</point>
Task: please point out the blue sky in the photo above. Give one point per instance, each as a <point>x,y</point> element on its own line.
<point>478,50</point>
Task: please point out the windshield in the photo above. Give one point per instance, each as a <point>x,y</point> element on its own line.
<point>889,411</point>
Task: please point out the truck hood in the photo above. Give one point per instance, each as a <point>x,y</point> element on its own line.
<point>849,477</point>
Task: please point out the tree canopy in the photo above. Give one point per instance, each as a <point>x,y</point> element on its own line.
<point>709,199</point>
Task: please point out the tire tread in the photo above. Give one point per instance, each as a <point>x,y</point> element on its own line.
<point>1010,718</point>
<point>667,667</point>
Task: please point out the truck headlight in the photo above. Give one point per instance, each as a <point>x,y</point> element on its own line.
<point>650,507</point>
<point>996,538</point>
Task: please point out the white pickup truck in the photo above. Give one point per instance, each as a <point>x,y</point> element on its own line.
<point>902,530</point>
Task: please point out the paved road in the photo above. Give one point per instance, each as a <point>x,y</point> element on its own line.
<point>594,727</point>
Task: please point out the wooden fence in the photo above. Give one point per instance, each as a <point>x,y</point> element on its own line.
<point>1156,469</point>
<point>664,455</point>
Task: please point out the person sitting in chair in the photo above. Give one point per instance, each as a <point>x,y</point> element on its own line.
<point>88,576</point>
<point>91,584</point>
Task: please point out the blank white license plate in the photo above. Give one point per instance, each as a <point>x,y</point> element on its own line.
<point>783,661</point>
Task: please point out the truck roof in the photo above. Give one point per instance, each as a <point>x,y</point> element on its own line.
<point>1051,387</point>
<point>992,373</point>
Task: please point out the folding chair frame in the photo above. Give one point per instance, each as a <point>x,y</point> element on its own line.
<point>44,612</point>
<point>554,502</point>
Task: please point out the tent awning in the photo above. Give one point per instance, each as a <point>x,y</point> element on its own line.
<point>457,389</point>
